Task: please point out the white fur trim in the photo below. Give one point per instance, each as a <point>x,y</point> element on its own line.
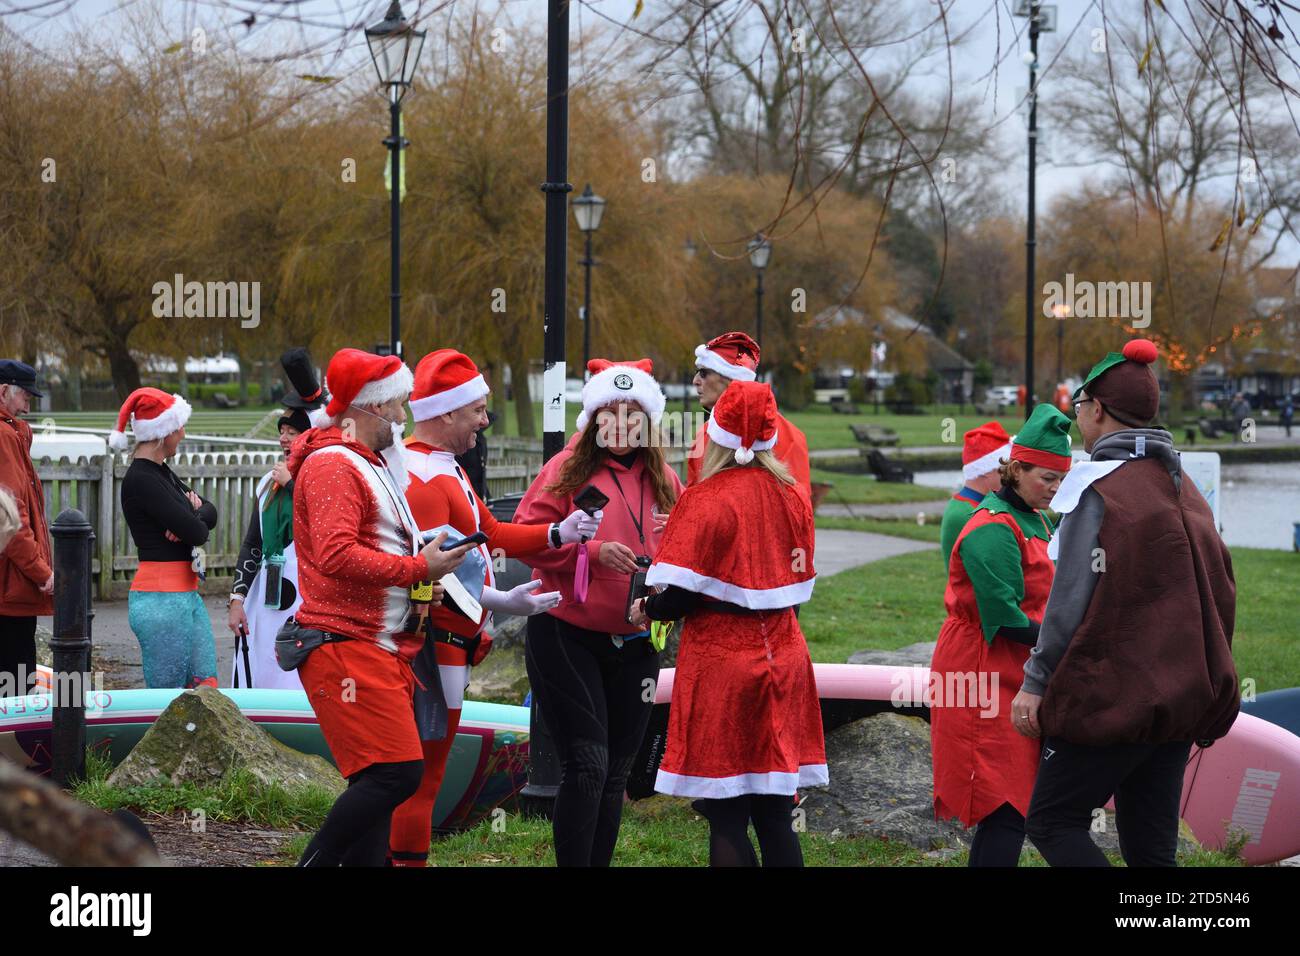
<point>320,418</point>
<point>396,385</point>
<point>466,393</point>
<point>986,463</point>
<point>722,788</point>
<point>149,429</point>
<point>705,357</point>
<point>600,391</point>
<point>756,599</point>
<point>728,440</point>
<point>117,440</point>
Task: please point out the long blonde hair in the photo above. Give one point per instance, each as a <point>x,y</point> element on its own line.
<point>719,458</point>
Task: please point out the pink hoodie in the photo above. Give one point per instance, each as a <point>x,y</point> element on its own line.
<point>606,601</point>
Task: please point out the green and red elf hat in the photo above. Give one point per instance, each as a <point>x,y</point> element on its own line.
<point>1044,440</point>
<point>1125,385</point>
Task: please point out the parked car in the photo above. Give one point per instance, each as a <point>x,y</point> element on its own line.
<point>1002,395</point>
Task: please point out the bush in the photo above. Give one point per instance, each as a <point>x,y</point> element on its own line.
<point>907,388</point>
<point>202,391</point>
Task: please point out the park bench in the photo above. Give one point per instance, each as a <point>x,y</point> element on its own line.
<point>222,400</point>
<point>905,408</point>
<point>844,408</point>
<point>874,435</point>
<point>886,469</point>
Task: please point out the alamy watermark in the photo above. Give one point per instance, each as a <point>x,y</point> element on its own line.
<point>1130,301</point>
<point>208,300</point>
<point>621,427</point>
<point>60,689</point>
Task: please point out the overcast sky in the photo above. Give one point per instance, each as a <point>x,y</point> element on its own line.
<point>1076,21</point>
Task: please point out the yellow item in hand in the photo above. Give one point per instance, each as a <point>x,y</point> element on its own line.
<point>659,634</point>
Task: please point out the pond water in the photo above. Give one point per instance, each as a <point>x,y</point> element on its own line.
<point>1261,503</point>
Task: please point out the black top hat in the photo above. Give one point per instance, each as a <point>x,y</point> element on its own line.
<point>302,376</point>
<point>14,372</point>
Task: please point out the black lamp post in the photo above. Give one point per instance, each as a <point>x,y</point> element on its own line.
<point>760,251</point>
<point>395,48</point>
<point>588,209</point>
<point>1042,19</point>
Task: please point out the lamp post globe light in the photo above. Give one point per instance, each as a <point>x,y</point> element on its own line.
<point>760,251</point>
<point>588,209</point>
<point>395,47</point>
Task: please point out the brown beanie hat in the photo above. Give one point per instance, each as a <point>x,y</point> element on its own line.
<point>1126,385</point>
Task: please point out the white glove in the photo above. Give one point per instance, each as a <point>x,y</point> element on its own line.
<point>521,601</point>
<point>579,527</point>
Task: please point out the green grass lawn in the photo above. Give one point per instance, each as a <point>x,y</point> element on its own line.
<point>865,489</point>
<point>899,528</point>
<point>899,601</point>
<point>826,429</point>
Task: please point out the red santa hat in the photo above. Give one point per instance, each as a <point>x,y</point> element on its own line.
<point>355,377</point>
<point>745,419</point>
<point>732,355</point>
<point>152,413</point>
<point>445,380</point>
<point>613,382</point>
<point>983,449</point>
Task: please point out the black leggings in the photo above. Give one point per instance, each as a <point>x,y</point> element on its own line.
<point>998,838</point>
<point>596,700</point>
<point>1075,780</point>
<point>729,830</point>
<point>355,832</point>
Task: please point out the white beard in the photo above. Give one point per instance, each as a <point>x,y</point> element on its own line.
<point>395,460</point>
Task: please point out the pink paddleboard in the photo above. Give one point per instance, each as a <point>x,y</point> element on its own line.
<point>1249,781</point>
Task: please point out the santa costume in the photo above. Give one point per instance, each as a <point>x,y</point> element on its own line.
<point>734,356</point>
<point>999,576</point>
<point>440,496</point>
<point>738,552</point>
<point>983,450</point>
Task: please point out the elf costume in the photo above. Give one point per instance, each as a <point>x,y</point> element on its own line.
<point>736,558</point>
<point>999,576</point>
<point>983,450</point>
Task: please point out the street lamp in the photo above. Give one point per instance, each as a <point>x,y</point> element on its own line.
<point>1060,311</point>
<point>588,209</point>
<point>395,48</point>
<point>760,251</point>
<point>1042,19</point>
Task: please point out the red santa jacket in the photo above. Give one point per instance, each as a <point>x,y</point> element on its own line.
<point>356,541</point>
<point>440,494</point>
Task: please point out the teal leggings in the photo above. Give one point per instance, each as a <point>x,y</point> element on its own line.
<point>175,635</point>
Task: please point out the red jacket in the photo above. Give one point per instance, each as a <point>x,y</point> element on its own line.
<point>605,608</point>
<point>25,562</point>
<point>791,448</point>
<point>355,540</point>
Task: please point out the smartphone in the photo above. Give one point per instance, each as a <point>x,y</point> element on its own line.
<point>591,499</point>
<point>478,537</point>
<point>637,588</point>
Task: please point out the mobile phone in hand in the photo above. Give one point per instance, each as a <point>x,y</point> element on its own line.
<point>478,537</point>
<point>591,499</point>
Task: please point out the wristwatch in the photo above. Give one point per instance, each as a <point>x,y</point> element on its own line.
<point>555,536</point>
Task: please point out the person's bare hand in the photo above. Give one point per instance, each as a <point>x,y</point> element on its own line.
<point>638,616</point>
<point>660,520</point>
<point>280,474</point>
<point>236,618</point>
<point>48,586</point>
<point>170,537</point>
<point>617,557</point>
<point>1024,714</point>
<point>438,592</point>
<point>443,562</point>
<point>195,501</point>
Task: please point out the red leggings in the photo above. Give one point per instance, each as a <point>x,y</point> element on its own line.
<point>412,830</point>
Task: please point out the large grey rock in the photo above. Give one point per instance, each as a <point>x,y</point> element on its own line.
<point>502,678</point>
<point>881,785</point>
<point>203,737</point>
<point>910,656</point>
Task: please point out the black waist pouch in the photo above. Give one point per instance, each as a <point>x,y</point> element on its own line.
<point>294,642</point>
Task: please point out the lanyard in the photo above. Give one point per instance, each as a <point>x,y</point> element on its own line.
<point>637,518</point>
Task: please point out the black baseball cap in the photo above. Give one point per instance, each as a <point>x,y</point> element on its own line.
<point>14,372</point>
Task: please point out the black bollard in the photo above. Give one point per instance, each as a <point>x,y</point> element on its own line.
<point>70,643</point>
